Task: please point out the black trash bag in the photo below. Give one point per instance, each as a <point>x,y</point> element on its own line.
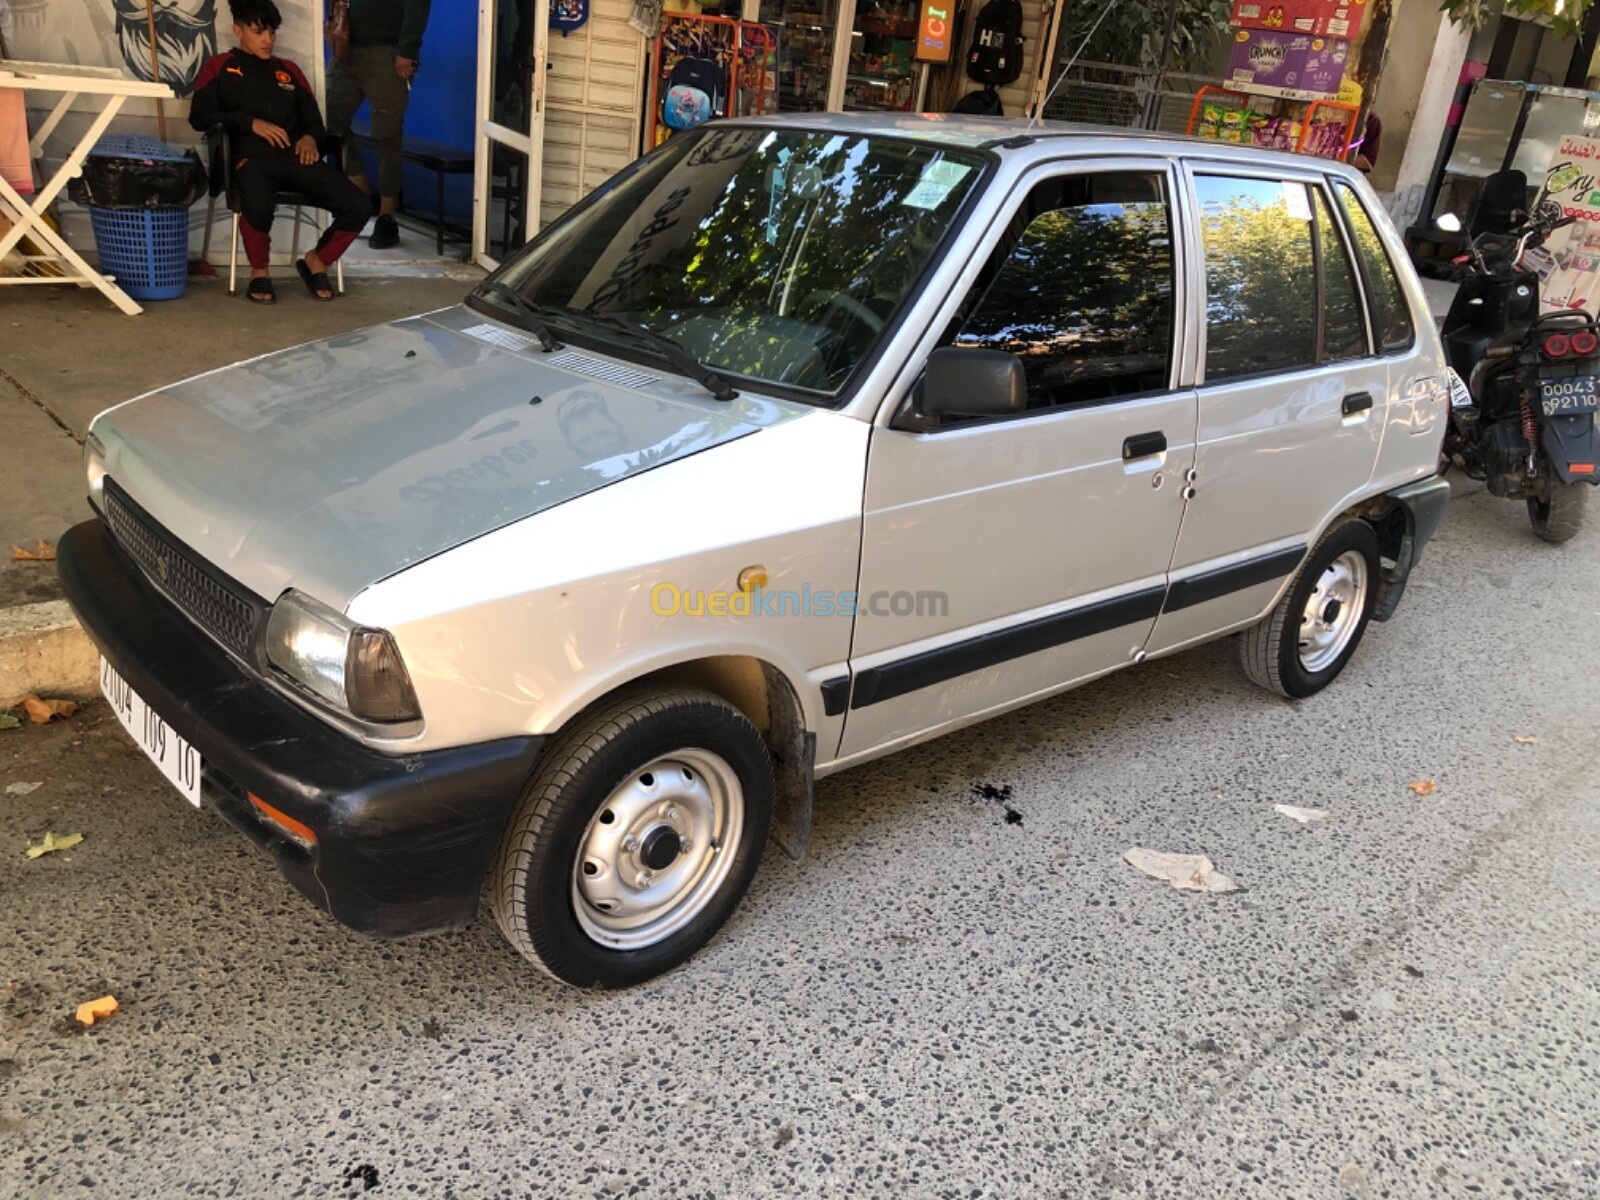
<point>115,181</point>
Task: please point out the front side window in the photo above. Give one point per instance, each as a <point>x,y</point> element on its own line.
<point>1261,274</point>
<point>775,254</point>
<point>1085,297</point>
<point>1391,315</point>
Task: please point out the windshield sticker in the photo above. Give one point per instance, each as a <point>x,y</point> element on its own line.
<point>937,182</point>
<point>1294,197</point>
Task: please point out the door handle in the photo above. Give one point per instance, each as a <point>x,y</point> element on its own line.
<point>1356,402</point>
<point>1143,445</point>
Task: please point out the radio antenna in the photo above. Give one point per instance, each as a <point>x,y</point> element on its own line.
<point>1082,46</point>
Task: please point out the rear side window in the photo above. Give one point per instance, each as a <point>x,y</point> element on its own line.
<point>1261,270</point>
<point>1344,328</point>
<point>1391,315</point>
<point>1084,297</point>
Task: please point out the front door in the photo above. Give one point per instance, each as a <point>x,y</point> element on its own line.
<point>1006,558</point>
<point>1292,398</point>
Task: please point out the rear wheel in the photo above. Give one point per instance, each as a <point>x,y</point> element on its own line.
<point>1559,519</point>
<point>1303,644</point>
<point>636,837</point>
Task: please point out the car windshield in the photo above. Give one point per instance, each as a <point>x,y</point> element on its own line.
<point>779,255</point>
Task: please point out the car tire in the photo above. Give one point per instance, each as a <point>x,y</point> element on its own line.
<point>1560,519</point>
<point>636,837</point>
<point>1300,647</point>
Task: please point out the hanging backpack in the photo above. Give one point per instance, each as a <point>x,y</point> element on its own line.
<point>567,15</point>
<point>996,55</point>
<point>984,103</point>
<point>694,93</point>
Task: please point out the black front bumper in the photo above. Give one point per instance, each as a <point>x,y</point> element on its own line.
<point>402,842</point>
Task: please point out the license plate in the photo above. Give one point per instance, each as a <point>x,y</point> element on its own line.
<point>178,760</point>
<point>1568,397</point>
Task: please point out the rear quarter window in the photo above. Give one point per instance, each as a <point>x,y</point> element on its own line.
<point>1391,314</point>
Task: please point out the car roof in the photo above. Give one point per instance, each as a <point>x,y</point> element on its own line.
<point>1016,136</point>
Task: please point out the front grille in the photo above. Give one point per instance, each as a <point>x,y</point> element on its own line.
<point>223,609</point>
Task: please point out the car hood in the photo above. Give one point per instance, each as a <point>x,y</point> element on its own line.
<point>334,465</point>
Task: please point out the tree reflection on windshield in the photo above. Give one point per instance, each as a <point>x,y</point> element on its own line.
<point>777,255</point>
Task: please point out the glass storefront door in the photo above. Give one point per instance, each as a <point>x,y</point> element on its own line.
<point>807,32</point>
<point>881,76</point>
<point>510,137</point>
<point>846,55</point>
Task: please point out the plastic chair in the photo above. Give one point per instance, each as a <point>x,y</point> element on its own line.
<point>219,154</point>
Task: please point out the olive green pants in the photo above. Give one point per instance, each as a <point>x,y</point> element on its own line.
<point>368,74</point>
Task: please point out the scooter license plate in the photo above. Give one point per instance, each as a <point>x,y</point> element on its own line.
<point>1569,397</point>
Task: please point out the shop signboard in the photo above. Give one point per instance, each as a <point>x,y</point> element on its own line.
<point>1292,66</point>
<point>936,31</point>
<point>1319,18</point>
<point>1570,265</point>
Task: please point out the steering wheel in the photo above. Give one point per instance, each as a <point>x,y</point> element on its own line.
<point>847,305</point>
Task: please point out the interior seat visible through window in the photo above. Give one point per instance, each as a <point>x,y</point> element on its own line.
<point>1082,292</point>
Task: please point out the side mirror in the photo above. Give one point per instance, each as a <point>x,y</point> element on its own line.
<point>1449,222</point>
<point>973,383</point>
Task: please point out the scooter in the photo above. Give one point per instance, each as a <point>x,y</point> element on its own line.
<point>1523,386</point>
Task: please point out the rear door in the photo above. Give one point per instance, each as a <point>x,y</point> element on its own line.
<point>1291,401</point>
<point>1418,390</point>
<point>1005,558</point>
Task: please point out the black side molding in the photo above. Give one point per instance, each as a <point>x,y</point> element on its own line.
<point>1213,585</point>
<point>835,695</point>
<point>991,649</point>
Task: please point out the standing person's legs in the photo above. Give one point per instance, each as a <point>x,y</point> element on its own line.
<point>349,207</point>
<point>344,98</point>
<point>388,95</point>
<point>257,179</point>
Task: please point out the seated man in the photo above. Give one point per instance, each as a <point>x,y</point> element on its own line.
<point>268,109</point>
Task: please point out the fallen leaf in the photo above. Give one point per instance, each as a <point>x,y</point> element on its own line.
<point>53,842</point>
<point>42,551</point>
<point>1185,872</point>
<point>22,789</point>
<point>7,721</point>
<point>42,712</point>
<point>91,1011</point>
<point>1524,741</point>
<point>1304,815</point>
<point>1423,787</point>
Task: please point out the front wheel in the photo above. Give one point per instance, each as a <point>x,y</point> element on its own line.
<point>636,837</point>
<point>1559,519</point>
<point>1301,646</point>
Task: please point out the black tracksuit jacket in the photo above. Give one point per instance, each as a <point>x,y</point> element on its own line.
<point>236,88</point>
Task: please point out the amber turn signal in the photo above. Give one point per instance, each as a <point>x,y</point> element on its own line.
<point>752,578</point>
<point>301,835</point>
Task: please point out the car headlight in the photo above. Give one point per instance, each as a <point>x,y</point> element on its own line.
<point>350,666</point>
<point>94,469</point>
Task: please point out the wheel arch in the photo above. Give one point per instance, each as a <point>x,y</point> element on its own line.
<point>1405,520</point>
<point>768,698</point>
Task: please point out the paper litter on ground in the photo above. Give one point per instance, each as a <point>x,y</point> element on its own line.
<point>1304,815</point>
<point>1185,872</point>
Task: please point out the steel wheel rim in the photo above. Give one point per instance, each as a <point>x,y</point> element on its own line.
<point>692,799</point>
<point>1333,611</point>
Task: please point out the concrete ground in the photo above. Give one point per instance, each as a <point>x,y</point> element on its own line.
<point>68,354</point>
<point>941,1000</point>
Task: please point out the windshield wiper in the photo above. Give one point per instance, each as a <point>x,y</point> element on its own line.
<point>531,320</point>
<point>674,353</point>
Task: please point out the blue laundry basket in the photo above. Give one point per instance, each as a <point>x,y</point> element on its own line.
<point>146,249</point>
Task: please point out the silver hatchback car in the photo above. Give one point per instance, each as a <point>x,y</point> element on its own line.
<point>797,443</point>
